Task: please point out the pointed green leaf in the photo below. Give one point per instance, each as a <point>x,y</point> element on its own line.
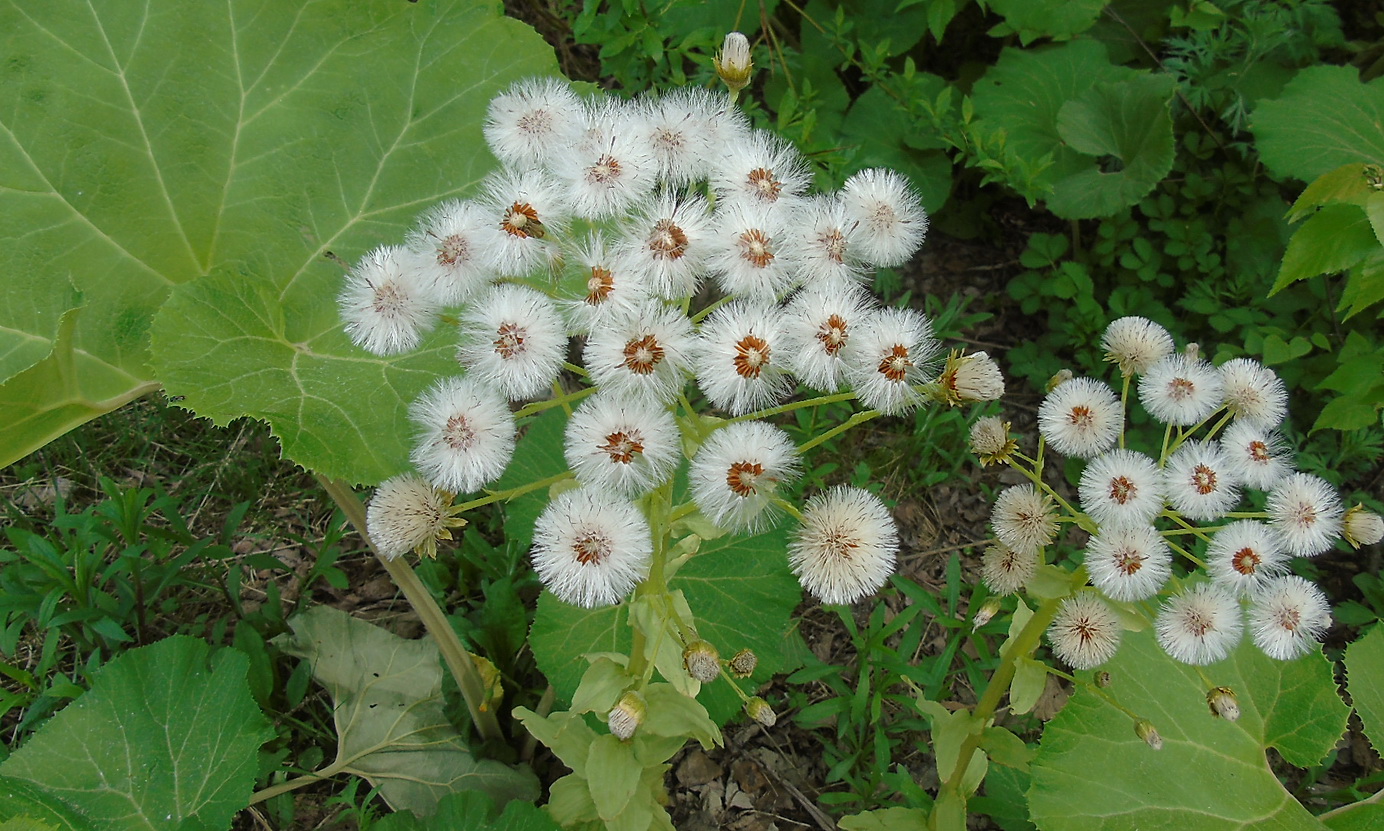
<point>885,819</point>
<point>388,711</point>
<point>615,775</point>
<point>1335,238</point>
<point>1057,19</point>
<point>26,805</point>
<point>1092,772</point>
<point>167,737</point>
<point>471,811</point>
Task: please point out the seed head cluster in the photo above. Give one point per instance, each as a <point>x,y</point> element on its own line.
<point>662,240</point>
<point>1221,494</point>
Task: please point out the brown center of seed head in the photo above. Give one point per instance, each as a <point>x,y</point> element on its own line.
<point>509,340</point>
<point>452,250</point>
<point>1199,624</point>
<point>643,354</point>
<point>389,299</point>
<point>458,434</point>
<point>1128,562</point>
<point>599,285</point>
<point>833,335</point>
<point>591,547</point>
<point>840,543</point>
<point>668,241</point>
<point>896,364</point>
<point>522,221</point>
<point>1289,618</point>
<point>1259,452</point>
<point>1180,389</point>
<point>535,123</point>
<point>605,170</point>
<point>1081,417</point>
<point>764,185</point>
<point>1122,490</point>
<point>751,356</point>
<point>754,248</point>
<point>622,446</point>
<point>834,244</point>
<point>1246,561</point>
<point>743,478</point>
<point>1203,479</point>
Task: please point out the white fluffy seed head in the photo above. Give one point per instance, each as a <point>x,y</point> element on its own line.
<point>1199,483</point>
<point>1181,389</point>
<point>845,548</point>
<point>818,325</point>
<point>1306,513</point>
<point>533,121</point>
<point>1085,633</point>
<point>607,285</point>
<point>514,338</point>
<point>679,129</point>
<point>751,252</point>
<point>1288,616</point>
<point>611,168</point>
<point>760,168</point>
<point>624,445</point>
<point>967,379</point>
<point>466,434</point>
<point>741,361</point>
<point>647,354</point>
<point>1024,519</point>
<point>453,249</point>
<point>407,513</point>
<point>888,354</point>
<point>590,548</point>
<point>888,220</point>
<point>1201,625</point>
<point>1135,343</point>
<point>1257,457</point>
<point>529,209</point>
<point>821,233</point>
<point>1122,487</point>
<point>737,472</point>
<point>668,242</point>
<point>1254,393</point>
<point>1128,562</point>
<point>1081,417</point>
<point>1244,555</point>
<point>1004,570</point>
<point>387,303</point>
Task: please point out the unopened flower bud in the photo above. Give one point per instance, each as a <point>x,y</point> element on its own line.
<point>991,442</point>
<point>626,716</point>
<point>743,664</point>
<point>1102,679</point>
<point>733,63</point>
<point>1062,377</point>
<point>1145,730</point>
<point>702,660</point>
<point>1223,703</point>
<point>970,378</point>
<point>985,613</point>
<point>760,711</point>
<point>1362,527</point>
<point>1192,351</point>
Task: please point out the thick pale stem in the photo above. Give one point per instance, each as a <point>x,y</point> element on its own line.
<point>1022,646</point>
<point>457,659</point>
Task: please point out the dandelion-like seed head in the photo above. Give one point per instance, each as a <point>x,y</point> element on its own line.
<point>1128,562</point>
<point>1181,389</point>
<point>970,378</point>
<point>737,471</point>
<point>1362,527</point>
<point>991,442</point>
<point>1254,393</point>
<point>590,547</point>
<point>1306,513</point>
<point>1004,570</point>
<point>1080,417</point>
<point>1201,625</point>
<point>845,547</point>
<point>1135,343</point>
<point>387,304</point>
<point>1288,616</point>
<point>1085,633</point>
<point>1244,555</point>
<point>408,514</point>
<point>1024,518</point>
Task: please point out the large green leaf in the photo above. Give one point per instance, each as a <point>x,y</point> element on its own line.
<point>741,593</point>
<point>146,144</point>
<point>1092,772</point>
<point>390,724</point>
<point>166,738</point>
<point>22,801</point>
<point>1325,118</point>
<point>1058,19</point>
<point>1106,127</point>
